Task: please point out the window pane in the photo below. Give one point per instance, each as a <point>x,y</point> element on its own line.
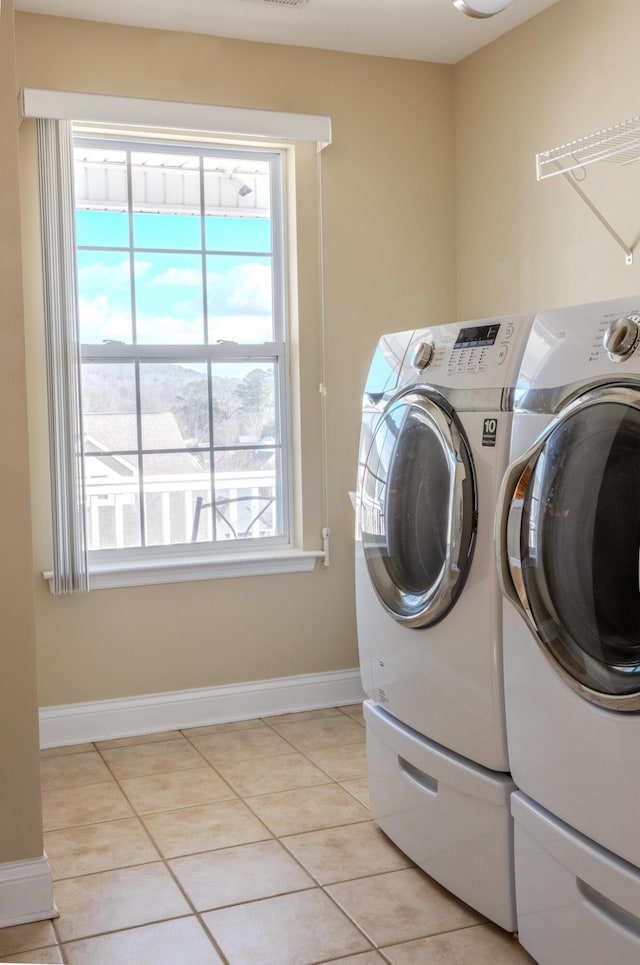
<point>174,400</point>
<point>167,230</point>
<point>104,296</point>
<point>109,406</point>
<point>112,498</point>
<point>107,229</point>
<point>246,487</point>
<point>244,404</point>
<point>169,307</point>
<point>238,234</point>
<point>239,298</point>
<point>100,179</point>
<point>172,483</point>
<point>166,200</point>
<point>235,187</point>
<point>110,426</point>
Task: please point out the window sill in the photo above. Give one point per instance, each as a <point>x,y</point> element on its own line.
<point>104,576</point>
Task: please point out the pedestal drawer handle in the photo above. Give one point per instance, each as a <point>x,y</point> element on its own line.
<point>424,781</point>
<point>609,909</point>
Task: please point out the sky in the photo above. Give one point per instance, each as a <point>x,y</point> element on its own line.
<point>169,285</point>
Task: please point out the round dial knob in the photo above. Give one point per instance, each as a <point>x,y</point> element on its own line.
<point>422,355</point>
<point>621,337</point>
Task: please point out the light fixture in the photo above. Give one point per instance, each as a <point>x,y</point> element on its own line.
<point>241,186</point>
<point>481,8</point>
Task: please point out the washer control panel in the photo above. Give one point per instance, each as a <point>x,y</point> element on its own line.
<point>470,353</point>
<point>478,353</point>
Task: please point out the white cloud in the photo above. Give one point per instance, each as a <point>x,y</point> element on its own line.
<point>239,303</point>
<point>243,288</point>
<point>169,330</point>
<point>240,288</point>
<point>113,276</point>
<point>99,321</point>
<point>240,328</point>
<point>178,278</point>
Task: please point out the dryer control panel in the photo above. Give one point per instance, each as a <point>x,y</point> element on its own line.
<point>569,345</point>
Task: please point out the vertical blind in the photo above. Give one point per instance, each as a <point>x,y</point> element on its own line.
<point>57,212</point>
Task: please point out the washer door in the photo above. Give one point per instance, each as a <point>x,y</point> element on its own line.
<point>573,544</point>
<point>418,514</point>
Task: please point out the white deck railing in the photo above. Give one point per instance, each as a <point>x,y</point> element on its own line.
<point>178,508</point>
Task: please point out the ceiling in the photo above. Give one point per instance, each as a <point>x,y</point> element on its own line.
<point>429,30</point>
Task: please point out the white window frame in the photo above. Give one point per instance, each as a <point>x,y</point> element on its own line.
<point>194,564</point>
<point>275,352</point>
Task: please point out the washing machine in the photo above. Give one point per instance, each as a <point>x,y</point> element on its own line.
<point>568,543</point>
<point>433,448</point>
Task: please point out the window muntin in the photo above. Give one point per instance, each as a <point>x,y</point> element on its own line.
<point>181,291</point>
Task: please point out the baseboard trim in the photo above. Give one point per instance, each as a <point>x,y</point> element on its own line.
<point>26,892</point>
<point>151,713</point>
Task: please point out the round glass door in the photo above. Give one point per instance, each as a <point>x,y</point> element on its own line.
<point>418,514</point>
<point>580,546</point>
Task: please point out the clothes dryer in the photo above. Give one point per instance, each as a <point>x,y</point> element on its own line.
<point>433,447</point>
<point>568,540</point>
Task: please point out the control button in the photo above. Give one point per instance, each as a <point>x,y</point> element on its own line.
<point>621,337</point>
<point>508,332</point>
<point>502,354</point>
<point>422,355</point>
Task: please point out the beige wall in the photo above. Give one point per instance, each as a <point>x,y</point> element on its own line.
<point>389,263</point>
<point>525,245</point>
<point>20,823</point>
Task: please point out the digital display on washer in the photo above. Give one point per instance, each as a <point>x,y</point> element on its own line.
<point>477,335</point>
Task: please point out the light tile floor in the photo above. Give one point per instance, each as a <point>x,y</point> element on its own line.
<point>247,844</point>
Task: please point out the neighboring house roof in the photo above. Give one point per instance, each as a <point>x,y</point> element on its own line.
<point>108,432</point>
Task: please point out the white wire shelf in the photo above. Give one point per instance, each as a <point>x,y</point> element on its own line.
<point>619,144</point>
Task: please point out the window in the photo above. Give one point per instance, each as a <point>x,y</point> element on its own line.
<point>181,277</point>
<point>166,280</point>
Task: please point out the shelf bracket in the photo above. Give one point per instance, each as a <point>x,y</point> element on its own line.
<point>619,144</point>
<point>589,203</point>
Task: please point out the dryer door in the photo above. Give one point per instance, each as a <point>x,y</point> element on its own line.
<point>573,544</point>
<point>418,508</point>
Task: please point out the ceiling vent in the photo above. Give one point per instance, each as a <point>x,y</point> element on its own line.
<point>282,3</point>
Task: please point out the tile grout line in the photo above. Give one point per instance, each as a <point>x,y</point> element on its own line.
<point>160,858</point>
<point>279,837</point>
<point>165,861</point>
<point>314,882</point>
